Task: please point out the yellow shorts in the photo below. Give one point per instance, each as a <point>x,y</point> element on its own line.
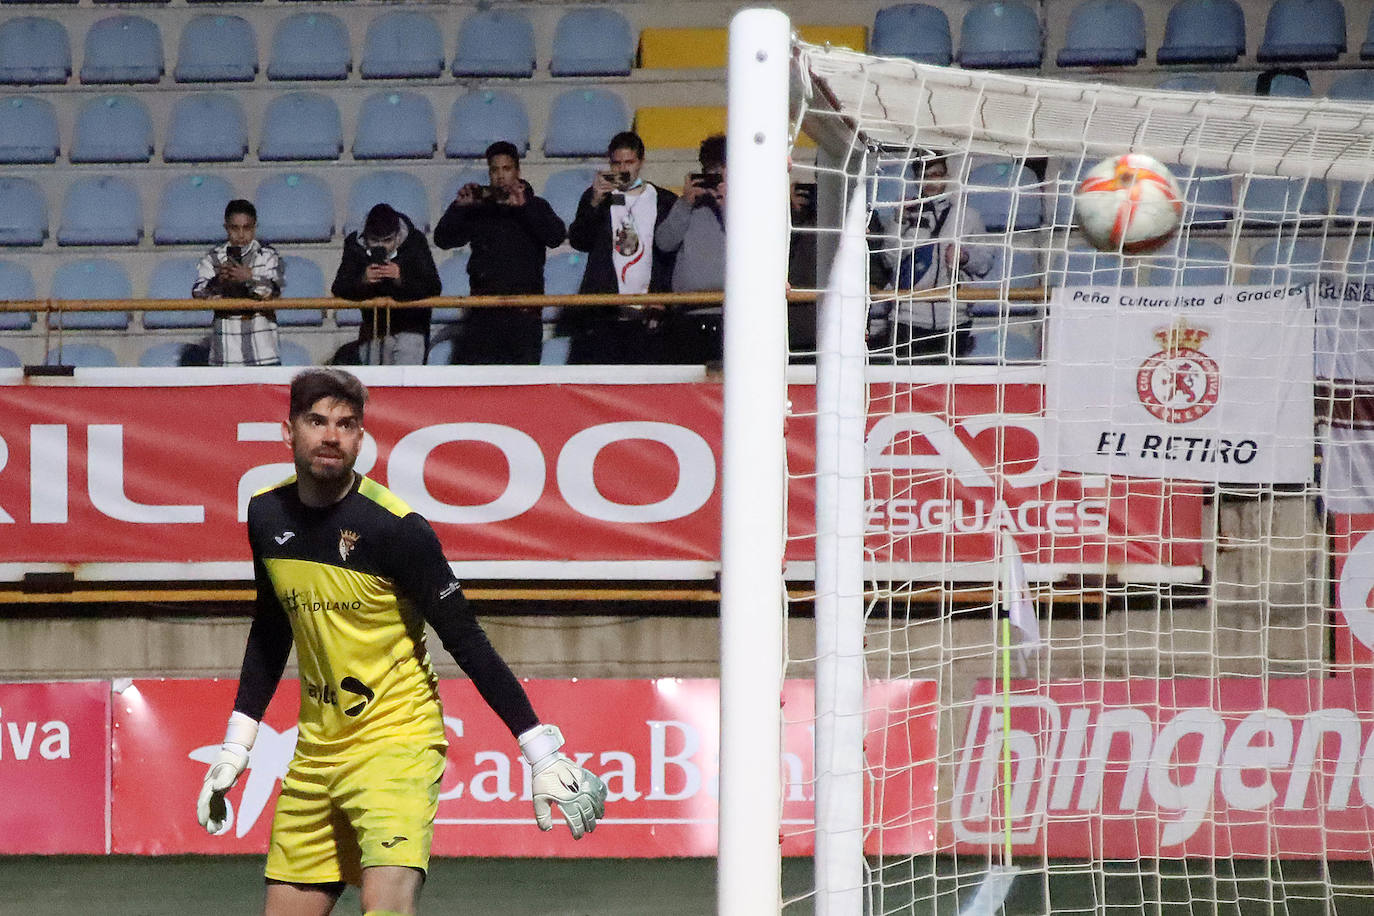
<point>334,818</point>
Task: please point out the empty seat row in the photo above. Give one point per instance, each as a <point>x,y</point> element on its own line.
<point>1009,33</point>
<point>395,124</point>
<point>399,44</point>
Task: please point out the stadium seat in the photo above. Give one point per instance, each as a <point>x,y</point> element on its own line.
<point>1189,82</point>
<point>122,49</point>
<point>310,46</point>
<point>303,279</point>
<point>1195,262</point>
<point>28,130</point>
<point>216,48</point>
<point>1000,33</point>
<point>395,125</point>
<point>174,353</point>
<point>1367,49</point>
<point>678,127</point>
<point>402,44</point>
<point>301,125</point>
<point>1288,261</point>
<point>440,352</point>
<point>23,212</point>
<point>101,210</point>
<point>9,359</point>
<point>207,127</point>
<point>483,116</point>
<point>295,208</point>
<point>191,210</point>
<point>1303,30</point>
<point>916,31</point>
<point>348,318</point>
<point>400,189</point>
<point>1208,198</point>
<point>986,195</point>
<point>16,285</point>
<point>173,278</point>
<point>554,352</point>
<point>81,355</point>
<point>470,175</point>
<point>495,43</point>
<point>1084,266</point>
<point>682,48</point>
<point>293,354</point>
<point>592,41</point>
<point>1354,86</point>
<point>1355,200</point>
<point>1203,32</point>
<point>1104,33</point>
<point>564,189</point>
<point>1269,201</point>
<point>582,121</point>
<point>90,278</point>
<point>453,277</point>
<point>853,37</point>
<point>34,50</point>
<point>1284,84</point>
<point>563,273</point>
<point>1004,343</point>
<point>112,128</point>
<point>1021,271</point>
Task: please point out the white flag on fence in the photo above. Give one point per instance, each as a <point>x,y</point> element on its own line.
<point>1016,598</point>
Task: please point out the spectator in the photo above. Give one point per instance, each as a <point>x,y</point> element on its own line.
<point>389,259</point>
<point>801,272</point>
<point>924,245</point>
<point>694,233</point>
<point>617,220</point>
<point>509,229</point>
<point>241,268</point>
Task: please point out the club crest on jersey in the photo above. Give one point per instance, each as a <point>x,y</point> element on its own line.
<point>1179,383</point>
<point>347,541</point>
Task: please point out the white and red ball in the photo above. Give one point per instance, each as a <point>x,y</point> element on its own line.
<point>1130,203</point>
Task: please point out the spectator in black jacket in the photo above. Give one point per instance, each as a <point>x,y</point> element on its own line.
<point>509,229</point>
<point>389,258</point>
<point>615,224</point>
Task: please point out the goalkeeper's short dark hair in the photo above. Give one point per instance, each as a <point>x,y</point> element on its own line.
<point>317,382</point>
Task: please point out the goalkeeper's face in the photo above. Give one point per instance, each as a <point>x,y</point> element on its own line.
<point>325,441</point>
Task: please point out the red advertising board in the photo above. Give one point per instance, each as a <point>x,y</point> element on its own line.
<point>1242,767</point>
<point>54,767</point>
<point>1352,559</point>
<point>656,743</point>
<point>161,475</point>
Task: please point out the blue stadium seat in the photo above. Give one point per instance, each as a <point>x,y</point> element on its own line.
<point>9,359</point>
<point>555,351</point>
<point>1355,200</point>
<point>34,49</point>
<point>1189,82</point>
<point>191,210</point>
<point>216,48</point>
<point>303,279</point>
<point>400,189</point>
<point>122,49</point>
<point>112,128</point>
<point>440,352</point>
<point>1208,198</point>
<point>986,195</point>
<point>1367,49</point>
<point>564,189</point>
<point>174,353</point>
<point>402,44</point>
<point>582,121</point>
<point>1021,271</point>
<point>1203,32</point>
<point>172,278</point>
<point>1196,262</point>
<point>483,116</point>
<point>1017,342</point>
<point>81,355</point>
<point>348,318</point>
<point>1303,30</point>
<point>1354,86</point>
<point>395,125</point>
<point>1280,84</point>
<point>563,273</point>
<point>593,41</point>
<point>90,278</point>
<point>23,212</point>
<point>470,175</point>
<point>1104,33</point>
<point>1084,266</point>
<point>28,130</point>
<point>310,46</point>
<point>16,284</point>
<point>1271,201</point>
<point>295,208</point>
<point>495,43</point>
<point>1000,33</point>
<point>207,127</point>
<point>301,125</point>
<point>453,277</point>
<point>916,31</point>
<point>1289,261</point>
<point>292,353</point>
<point>101,210</point>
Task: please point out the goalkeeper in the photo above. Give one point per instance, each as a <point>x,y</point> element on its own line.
<point>350,574</point>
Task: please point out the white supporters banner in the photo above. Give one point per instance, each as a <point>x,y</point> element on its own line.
<point>1207,383</point>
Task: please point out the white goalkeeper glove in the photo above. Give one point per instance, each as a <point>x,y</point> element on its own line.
<point>579,793</point>
<point>232,760</point>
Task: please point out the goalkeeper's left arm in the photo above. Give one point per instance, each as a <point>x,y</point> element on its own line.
<point>556,780</point>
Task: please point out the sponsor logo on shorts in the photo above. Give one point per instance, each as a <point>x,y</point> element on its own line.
<point>393,841</point>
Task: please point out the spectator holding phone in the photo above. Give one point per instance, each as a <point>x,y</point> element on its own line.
<point>509,229</point>
<point>241,267</point>
<point>389,259</point>
<point>616,224</point>
<point>694,233</point>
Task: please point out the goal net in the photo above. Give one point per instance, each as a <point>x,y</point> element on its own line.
<point>1092,587</point>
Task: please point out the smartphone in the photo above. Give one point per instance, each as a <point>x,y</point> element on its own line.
<point>707,180</point>
<point>619,179</point>
<point>376,255</point>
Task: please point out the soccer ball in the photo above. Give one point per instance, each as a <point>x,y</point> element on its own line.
<point>1130,203</point>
